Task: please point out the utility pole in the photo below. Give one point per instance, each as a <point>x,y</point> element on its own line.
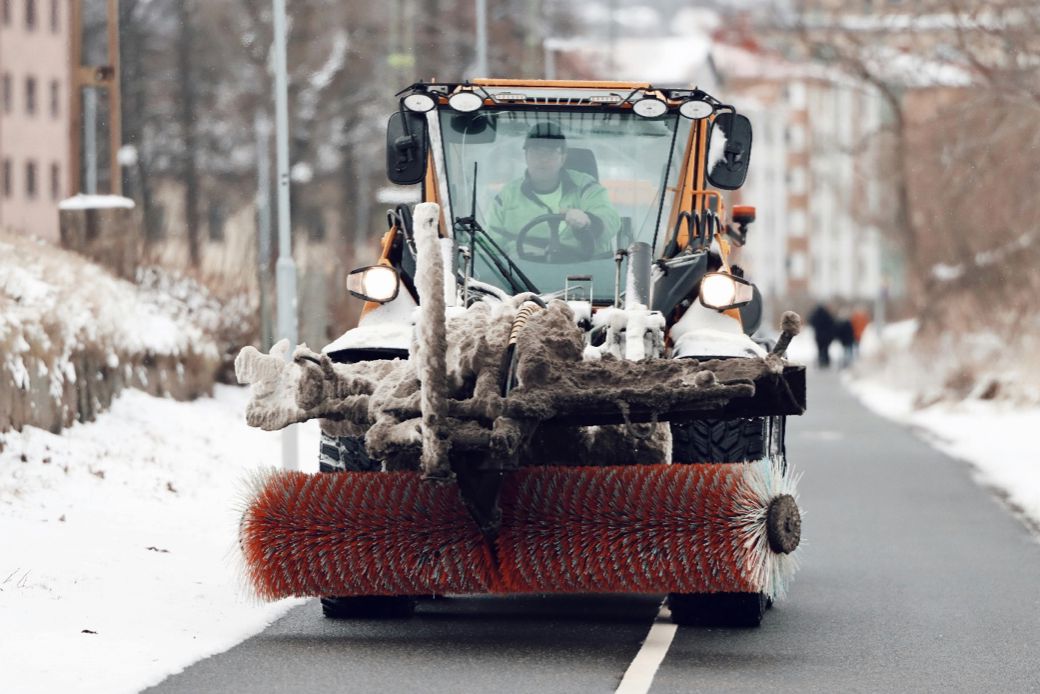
<point>532,29</point>
<point>90,153</point>
<point>482,40</point>
<point>550,45</point>
<point>263,219</point>
<point>89,80</point>
<point>285,269</point>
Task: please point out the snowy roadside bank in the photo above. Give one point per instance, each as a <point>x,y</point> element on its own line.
<point>73,335</point>
<point>999,439</point>
<point>119,560</point>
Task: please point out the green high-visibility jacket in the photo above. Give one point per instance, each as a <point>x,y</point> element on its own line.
<point>517,204</point>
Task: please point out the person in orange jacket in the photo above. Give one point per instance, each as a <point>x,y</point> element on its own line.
<point>860,319</point>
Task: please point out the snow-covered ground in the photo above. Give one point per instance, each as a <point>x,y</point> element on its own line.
<point>118,561</point>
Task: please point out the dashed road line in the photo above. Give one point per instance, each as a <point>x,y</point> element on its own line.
<point>640,673</point>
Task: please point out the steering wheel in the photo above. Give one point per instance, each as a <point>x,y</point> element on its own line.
<point>554,252</point>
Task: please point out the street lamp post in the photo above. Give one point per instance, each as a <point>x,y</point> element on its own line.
<point>285,269</point>
<point>482,43</point>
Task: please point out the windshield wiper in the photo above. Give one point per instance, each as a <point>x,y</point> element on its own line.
<point>509,270</point>
<point>491,249</point>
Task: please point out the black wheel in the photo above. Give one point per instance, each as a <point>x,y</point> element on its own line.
<point>342,453</point>
<point>741,610</point>
<point>727,440</point>
<point>368,606</point>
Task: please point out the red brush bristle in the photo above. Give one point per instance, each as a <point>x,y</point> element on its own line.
<point>646,529</point>
<point>361,534</point>
<point>641,529</point>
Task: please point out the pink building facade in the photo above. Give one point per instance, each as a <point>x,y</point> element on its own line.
<point>34,115</point>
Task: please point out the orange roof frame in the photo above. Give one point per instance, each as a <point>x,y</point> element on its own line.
<point>581,84</point>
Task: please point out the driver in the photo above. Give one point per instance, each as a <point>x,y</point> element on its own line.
<point>548,188</point>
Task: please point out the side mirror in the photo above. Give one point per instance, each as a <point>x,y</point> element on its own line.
<point>406,147</point>
<point>731,165</point>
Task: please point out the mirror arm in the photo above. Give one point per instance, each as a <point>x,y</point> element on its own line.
<point>406,143</point>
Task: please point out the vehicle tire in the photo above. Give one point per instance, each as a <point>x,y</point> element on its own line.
<point>368,607</point>
<point>727,440</point>
<point>340,454</point>
<point>734,610</point>
<point>345,453</point>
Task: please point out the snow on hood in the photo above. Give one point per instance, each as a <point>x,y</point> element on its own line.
<point>704,332</point>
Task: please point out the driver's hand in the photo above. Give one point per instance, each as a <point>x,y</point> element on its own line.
<point>576,219</point>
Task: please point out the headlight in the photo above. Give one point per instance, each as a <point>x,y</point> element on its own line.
<point>721,291</point>
<point>695,109</point>
<point>466,102</point>
<point>377,283</point>
<point>419,102</point>
<point>649,107</point>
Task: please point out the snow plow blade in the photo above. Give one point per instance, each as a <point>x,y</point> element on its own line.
<point>647,529</point>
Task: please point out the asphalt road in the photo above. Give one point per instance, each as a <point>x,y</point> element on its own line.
<point>913,579</point>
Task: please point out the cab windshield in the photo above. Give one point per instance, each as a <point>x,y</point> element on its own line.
<point>619,171</point>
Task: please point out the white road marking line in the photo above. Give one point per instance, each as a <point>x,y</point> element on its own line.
<point>640,674</point>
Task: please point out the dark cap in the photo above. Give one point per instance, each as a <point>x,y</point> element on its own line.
<point>547,133</point>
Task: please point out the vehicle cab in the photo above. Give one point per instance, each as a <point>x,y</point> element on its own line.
<point>657,157</point>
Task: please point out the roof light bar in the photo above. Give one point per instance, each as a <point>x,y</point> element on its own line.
<point>466,102</point>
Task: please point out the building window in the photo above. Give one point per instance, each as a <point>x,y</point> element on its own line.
<point>55,16</point>
<point>30,95</point>
<point>796,222</point>
<point>795,137</point>
<point>30,14</point>
<point>55,181</point>
<point>796,265</point>
<point>30,179</point>
<point>796,95</point>
<point>55,98</point>
<point>7,175</point>
<point>5,92</point>
<point>796,180</point>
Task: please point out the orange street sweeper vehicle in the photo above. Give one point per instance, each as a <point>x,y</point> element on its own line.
<point>553,386</point>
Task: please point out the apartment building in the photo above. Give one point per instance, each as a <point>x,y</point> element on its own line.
<point>34,115</point>
<point>813,178</point>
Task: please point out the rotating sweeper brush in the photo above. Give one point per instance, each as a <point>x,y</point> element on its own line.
<point>713,528</point>
<point>553,386</point>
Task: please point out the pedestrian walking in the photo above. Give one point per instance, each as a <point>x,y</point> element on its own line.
<point>844,333</point>
<point>860,320</point>
<point>822,321</point>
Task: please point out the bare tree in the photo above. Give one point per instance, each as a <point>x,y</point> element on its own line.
<point>187,90</point>
<point>959,82</point>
